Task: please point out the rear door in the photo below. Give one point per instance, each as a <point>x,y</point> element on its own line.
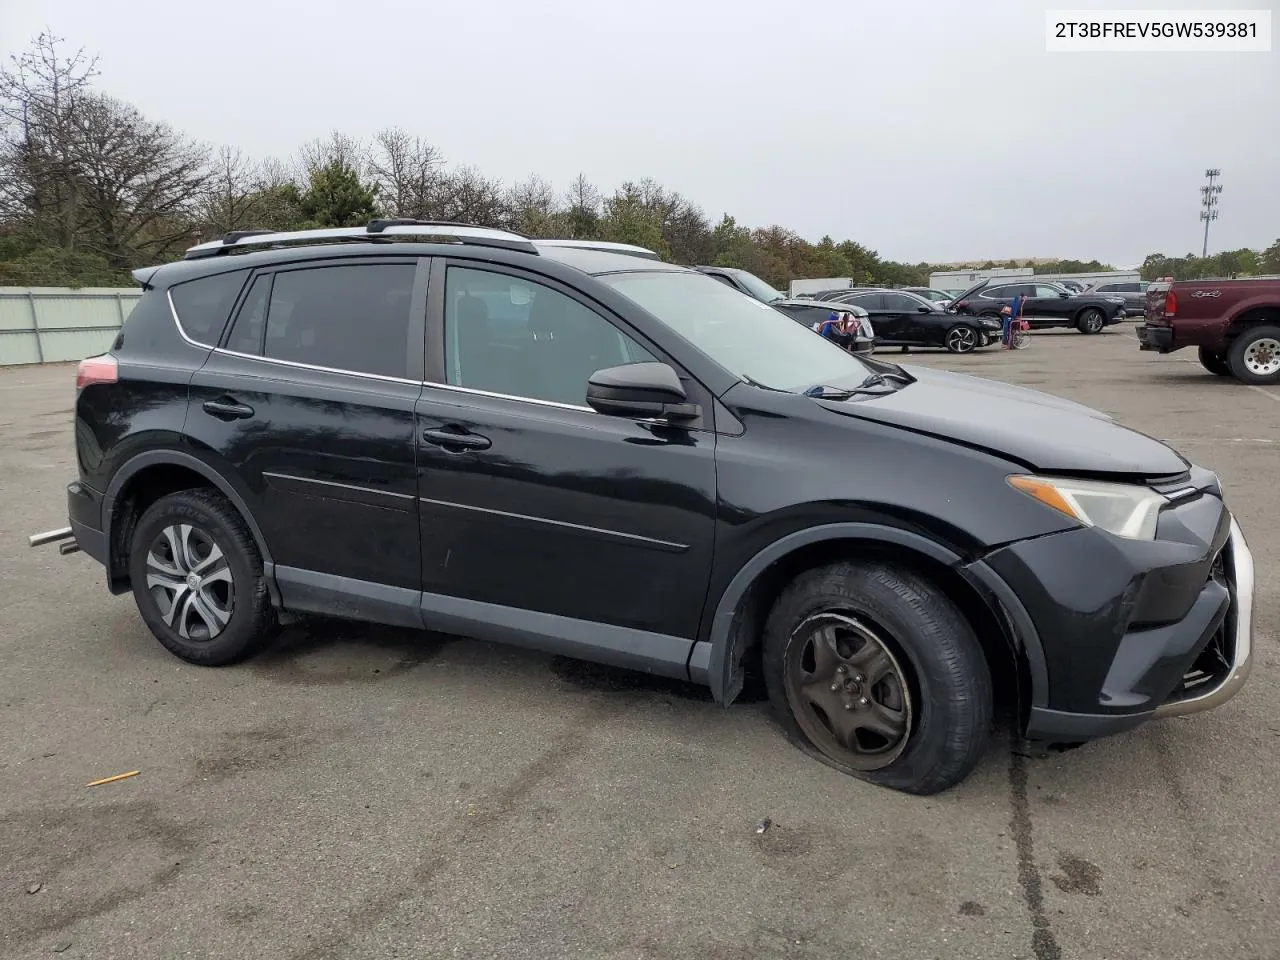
<point>886,324</point>
<point>542,519</point>
<point>309,401</point>
<point>913,327</point>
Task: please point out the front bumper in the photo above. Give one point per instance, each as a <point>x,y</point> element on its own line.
<point>1159,339</point>
<point>1131,630</point>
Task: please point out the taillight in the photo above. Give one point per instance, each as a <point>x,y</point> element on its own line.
<point>96,370</point>
<point>1170,304</point>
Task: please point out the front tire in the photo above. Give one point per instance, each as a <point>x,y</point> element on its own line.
<point>198,579</point>
<point>872,670</point>
<point>1091,321</point>
<point>962,338</point>
<point>1254,356</point>
<point>1215,362</point>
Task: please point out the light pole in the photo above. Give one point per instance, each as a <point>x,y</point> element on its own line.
<point>1208,203</point>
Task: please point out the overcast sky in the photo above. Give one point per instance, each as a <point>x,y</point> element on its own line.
<point>926,129</point>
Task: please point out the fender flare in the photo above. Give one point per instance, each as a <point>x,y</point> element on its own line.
<point>713,661</point>
<point>151,458</point>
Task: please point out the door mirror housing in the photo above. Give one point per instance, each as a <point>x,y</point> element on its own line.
<point>1063,294</point>
<point>647,390</point>
<point>923,309</point>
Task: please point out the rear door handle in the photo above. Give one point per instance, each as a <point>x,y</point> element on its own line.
<point>227,409</point>
<point>451,438</point>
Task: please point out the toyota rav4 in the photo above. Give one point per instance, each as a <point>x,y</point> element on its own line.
<point>582,449</point>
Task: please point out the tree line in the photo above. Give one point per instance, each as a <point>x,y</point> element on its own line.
<point>90,188</point>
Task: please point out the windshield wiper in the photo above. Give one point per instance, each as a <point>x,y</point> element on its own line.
<point>874,386</point>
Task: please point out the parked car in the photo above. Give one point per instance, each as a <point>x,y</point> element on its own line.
<point>744,282</point>
<point>902,319</point>
<point>940,297</point>
<point>813,313</point>
<point>1047,305</point>
<point>1133,293</point>
<point>1233,324</point>
<point>601,455</point>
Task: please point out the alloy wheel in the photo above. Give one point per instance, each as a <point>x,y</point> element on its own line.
<point>1093,321</point>
<point>961,339</point>
<point>847,691</point>
<point>189,579</point>
<point>1262,357</point>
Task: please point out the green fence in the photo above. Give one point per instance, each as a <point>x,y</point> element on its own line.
<point>53,324</point>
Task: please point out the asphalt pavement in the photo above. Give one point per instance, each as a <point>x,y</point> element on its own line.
<point>360,792</point>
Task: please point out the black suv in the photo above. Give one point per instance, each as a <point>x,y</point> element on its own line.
<point>598,454</point>
<point>1045,304</point>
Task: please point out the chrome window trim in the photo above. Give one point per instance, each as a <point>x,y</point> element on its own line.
<point>177,322</point>
<point>317,367</point>
<point>508,396</point>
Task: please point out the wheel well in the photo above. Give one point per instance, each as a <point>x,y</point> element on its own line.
<point>1083,310</point>
<point>1253,317</point>
<point>138,493</point>
<point>1010,674</point>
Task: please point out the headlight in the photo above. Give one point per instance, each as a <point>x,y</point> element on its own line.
<point>1127,510</point>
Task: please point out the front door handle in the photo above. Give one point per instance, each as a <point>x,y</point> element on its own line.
<point>227,409</point>
<point>451,438</point>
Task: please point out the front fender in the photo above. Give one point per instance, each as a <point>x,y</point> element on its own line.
<point>717,661</point>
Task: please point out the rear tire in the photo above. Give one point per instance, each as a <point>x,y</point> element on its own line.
<point>884,621</point>
<point>1091,321</point>
<point>1254,356</point>
<point>198,579</point>
<point>1215,361</point>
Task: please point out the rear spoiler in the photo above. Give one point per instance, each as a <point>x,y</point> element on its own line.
<point>143,275</point>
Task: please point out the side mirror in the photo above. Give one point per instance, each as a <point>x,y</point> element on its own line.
<point>923,309</point>
<point>1064,294</point>
<point>648,390</point>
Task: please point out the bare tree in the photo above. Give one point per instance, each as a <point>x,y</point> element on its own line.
<point>141,181</point>
<point>583,215</point>
<point>535,209</point>
<point>40,92</point>
<point>407,172</point>
<point>233,196</point>
<point>467,196</point>
<point>335,148</point>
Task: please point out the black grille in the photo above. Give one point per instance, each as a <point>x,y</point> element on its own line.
<point>1214,661</point>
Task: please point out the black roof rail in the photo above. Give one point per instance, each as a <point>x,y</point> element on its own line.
<point>235,236</point>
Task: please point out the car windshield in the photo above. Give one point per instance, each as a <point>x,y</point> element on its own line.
<point>749,339</point>
<point>757,287</point>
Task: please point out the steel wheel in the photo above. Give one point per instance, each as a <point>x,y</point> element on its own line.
<point>1262,357</point>
<point>189,579</point>
<point>847,691</point>
<point>961,339</point>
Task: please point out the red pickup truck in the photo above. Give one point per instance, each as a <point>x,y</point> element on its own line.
<point>1234,323</point>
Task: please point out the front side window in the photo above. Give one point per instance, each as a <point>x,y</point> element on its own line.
<point>352,318</point>
<point>508,335</point>
<point>1049,292</point>
<point>750,339</point>
<point>204,305</point>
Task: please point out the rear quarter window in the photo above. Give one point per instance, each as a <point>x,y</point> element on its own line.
<point>203,306</point>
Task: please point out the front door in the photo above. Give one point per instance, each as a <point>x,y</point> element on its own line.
<point>310,402</point>
<point>909,325</point>
<point>541,519</point>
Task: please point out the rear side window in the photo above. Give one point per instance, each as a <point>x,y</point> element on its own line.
<point>352,318</point>
<point>867,301</point>
<point>204,305</point>
<point>900,303</point>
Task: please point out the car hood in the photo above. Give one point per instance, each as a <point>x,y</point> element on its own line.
<point>1045,432</point>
